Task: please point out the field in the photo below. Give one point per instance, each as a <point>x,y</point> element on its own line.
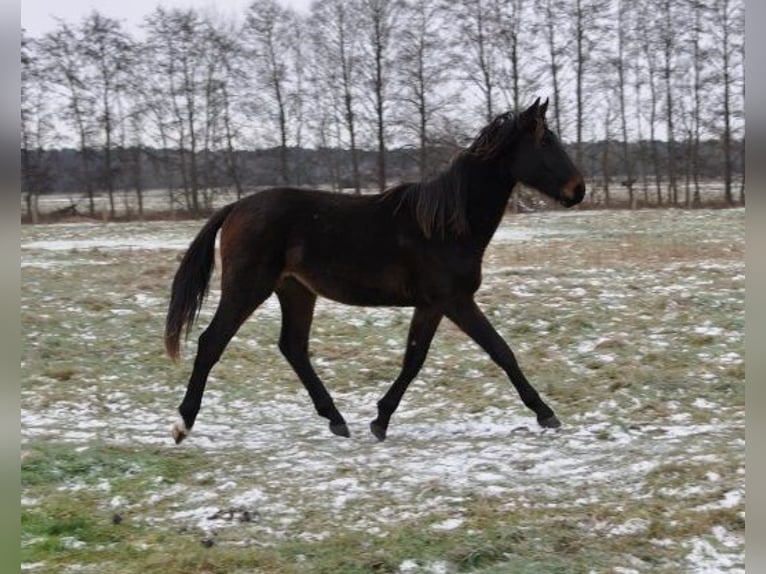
<point>631,324</point>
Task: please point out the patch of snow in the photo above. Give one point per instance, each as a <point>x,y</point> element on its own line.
<point>71,542</point>
<point>250,498</point>
<point>725,537</point>
<point>708,330</point>
<point>107,244</point>
<point>730,358</point>
<point>589,345</point>
<point>632,526</point>
<point>198,516</point>
<point>410,566</point>
<point>704,558</point>
<point>438,567</point>
<point>731,499</point>
<point>448,524</point>
<point>702,403</point>
<point>122,312</point>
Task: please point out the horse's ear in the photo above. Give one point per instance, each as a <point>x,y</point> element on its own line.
<point>532,119</point>
<point>532,110</point>
<point>544,108</point>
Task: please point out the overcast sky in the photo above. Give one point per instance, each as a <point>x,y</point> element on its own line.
<point>38,16</point>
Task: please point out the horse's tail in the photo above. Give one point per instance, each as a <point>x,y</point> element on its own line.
<point>190,284</point>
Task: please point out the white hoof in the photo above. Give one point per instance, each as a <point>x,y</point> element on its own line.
<point>179,430</point>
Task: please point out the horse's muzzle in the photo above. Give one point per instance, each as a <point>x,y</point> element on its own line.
<point>573,191</point>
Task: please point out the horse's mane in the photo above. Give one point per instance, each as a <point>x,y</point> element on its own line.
<point>438,204</point>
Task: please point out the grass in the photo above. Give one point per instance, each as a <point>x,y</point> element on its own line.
<point>630,324</point>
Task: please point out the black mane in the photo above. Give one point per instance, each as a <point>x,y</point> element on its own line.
<point>438,204</point>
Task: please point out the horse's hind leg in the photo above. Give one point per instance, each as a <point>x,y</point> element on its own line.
<point>297,304</point>
<point>422,329</point>
<point>238,301</point>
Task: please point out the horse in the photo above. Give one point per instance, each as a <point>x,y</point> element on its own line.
<point>416,245</point>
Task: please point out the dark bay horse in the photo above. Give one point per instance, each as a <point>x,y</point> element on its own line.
<point>415,245</point>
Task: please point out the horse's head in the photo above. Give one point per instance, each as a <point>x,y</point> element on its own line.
<point>530,153</point>
<point>541,162</point>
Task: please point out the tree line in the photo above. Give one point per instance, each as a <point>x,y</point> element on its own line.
<point>647,94</point>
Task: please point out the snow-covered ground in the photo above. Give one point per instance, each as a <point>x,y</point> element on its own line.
<point>460,432</point>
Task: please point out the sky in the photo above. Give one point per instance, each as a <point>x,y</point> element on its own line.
<point>39,16</point>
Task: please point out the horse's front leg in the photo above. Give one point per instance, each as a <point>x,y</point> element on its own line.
<point>469,318</point>
<point>422,329</point>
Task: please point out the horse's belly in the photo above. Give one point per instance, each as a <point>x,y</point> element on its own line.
<point>353,289</point>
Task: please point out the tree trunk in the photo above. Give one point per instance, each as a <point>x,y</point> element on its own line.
<point>727,165</point>
<point>627,162</point>
<point>580,73</point>
<point>551,26</point>
<point>379,116</point>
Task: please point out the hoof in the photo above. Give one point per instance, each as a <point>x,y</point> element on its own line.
<point>550,423</point>
<point>378,430</point>
<point>340,429</point>
<point>179,431</point>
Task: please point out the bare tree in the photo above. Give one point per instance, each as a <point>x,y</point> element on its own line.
<point>321,121</point>
<point>62,58</point>
<point>297,98</point>
<point>727,28</point>
<point>268,30</point>
<point>133,148</point>
<point>668,29</point>
<point>333,23</point>
<point>476,29</point>
<point>151,113</point>
<point>698,57</point>
<point>685,120</point>
<point>638,99</point>
<point>424,66</point>
<point>229,54</point>
<point>606,174</point>
<point>552,12</point>
<point>378,20</point>
<point>587,24</point>
<point>28,84</point>
<point>740,27</point>
<point>36,125</point>
<point>174,49</point>
<point>625,54</point>
<point>220,52</point>
<point>646,28</point>
<point>514,50</point>
<point>106,49</point>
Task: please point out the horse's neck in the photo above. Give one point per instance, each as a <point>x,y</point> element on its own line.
<point>486,205</point>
